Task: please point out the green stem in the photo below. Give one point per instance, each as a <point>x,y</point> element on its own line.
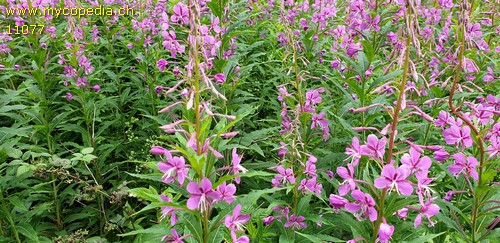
<point>9,217</point>
<point>479,139</point>
<point>206,230</point>
<point>426,136</point>
<point>56,203</point>
<point>297,77</point>
<point>393,131</point>
<point>196,84</point>
<point>2,232</point>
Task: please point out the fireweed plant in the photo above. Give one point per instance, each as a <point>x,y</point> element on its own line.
<point>202,191</point>
<point>251,121</point>
<point>381,200</point>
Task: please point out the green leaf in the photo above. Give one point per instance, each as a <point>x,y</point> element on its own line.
<point>155,230</point>
<point>87,150</point>
<point>368,50</point>
<point>215,7</point>
<point>111,75</point>
<point>16,201</point>
<point>248,174</point>
<point>149,194</point>
<point>28,231</point>
<point>24,168</point>
<point>488,176</point>
<point>146,177</point>
<point>363,64</point>
<point>303,205</point>
<point>425,238</point>
<point>319,238</point>
<point>194,226</point>
<point>255,147</point>
<point>384,79</point>
<point>344,123</point>
<point>217,235</point>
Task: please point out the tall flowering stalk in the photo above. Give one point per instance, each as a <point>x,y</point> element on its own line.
<point>469,123</point>
<point>196,168</point>
<point>304,123</point>
<point>395,116</point>
<point>481,115</point>
<point>370,197</point>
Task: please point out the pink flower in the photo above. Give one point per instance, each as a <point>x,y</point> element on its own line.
<point>158,89</point>
<point>96,88</point>
<point>199,197</point>
<point>283,93</point>
<point>284,176</point>
<point>180,14</point>
<point>283,150</point>
<point>354,151</point>
<point>402,213</point>
<point>385,232</point>
<point>84,63</point>
<point>296,222</point>
<point>310,167</point>
<point>235,222</point>
<point>484,114</point>
<point>241,239</point>
<point>220,78</point>
<point>448,196</point>
<point>349,184</point>
<point>474,30</point>
<point>226,192</point>
<point>395,179</point>
<point>414,162</point>
<point>174,238</point>
<point>329,173</point>
<point>313,97</point>
<point>204,149</point>
<point>443,119</point>
<point>352,49</point>
<point>490,76</point>
<point>161,64</point>
<point>319,121</point>
<point>174,167</point>
<point>310,185</point>
<point>392,37</point>
<point>441,155</point>
<point>236,166</point>
<point>446,4</point>
<point>337,202</point>
<point>455,134</point>
<point>428,209</point>
<point>364,204</point>
<point>167,210</point>
<point>494,148</point>
<point>82,82</point>
<point>69,96</point>
<point>467,167</point>
<point>423,182</point>
<point>215,24</point>
<point>170,43</point>
<point>334,64</point>
<point>374,147</point>
<point>268,220</point>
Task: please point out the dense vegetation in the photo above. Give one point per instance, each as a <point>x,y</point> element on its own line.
<point>250,121</point>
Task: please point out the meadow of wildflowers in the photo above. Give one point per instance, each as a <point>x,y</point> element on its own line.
<point>250,121</point>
